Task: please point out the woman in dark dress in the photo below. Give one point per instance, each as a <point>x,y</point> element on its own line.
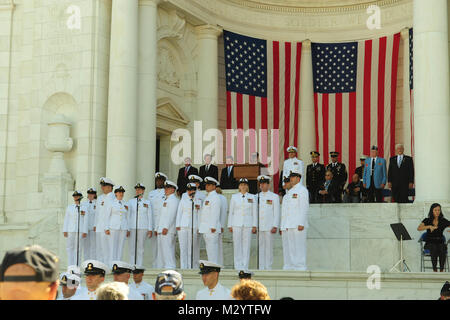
<point>435,225</point>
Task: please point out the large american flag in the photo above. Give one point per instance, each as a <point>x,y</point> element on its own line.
<point>263,92</point>
<point>354,97</point>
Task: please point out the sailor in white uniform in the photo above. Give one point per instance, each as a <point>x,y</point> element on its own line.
<point>292,163</point>
<point>209,220</point>
<point>144,223</point>
<point>269,222</point>
<point>117,226</point>
<point>122,273</point>
<point>296,221</point>
<point>287,265</point>
<point>193,178</point>
<point>145,289</point>
<point>156,198</point>
<point>69,284</point>
<point>166,226</point>
<point>213,289</point>
<point>104,201</point>
<point>95,272</point>
<point>186,222</point>
<point>242,222</point>
<point>223,220</point>
<point>89,219</point>
<point>74,225</point>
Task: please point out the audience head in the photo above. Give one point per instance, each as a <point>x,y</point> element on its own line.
<point>169,286</point>
<point>328,175</point>
<point>95,273</point>
<point>113,291</point>
<point>210,273</point>
<point>121,271</point>
<point>399,148</point>
<point>207,158</point>
<point>187,162</point>
<point>435,211</point>
<point>445,291</point>
<point>248,289</point>
<point>138,274</point>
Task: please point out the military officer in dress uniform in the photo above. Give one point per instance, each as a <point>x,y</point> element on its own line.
<point>121,273</point>
<point>89,207</point>
<point>166,226</point>
<point>95,272</point>
<point>186,222</point>
<point>74,226</point>
<point>315,176</point>
<point>199,194</point>
<point>269,222</point>
<point>69,284</point>
<point>210,277</point>
<point>223,220</point>
<point>245,275</point>
<point>242,222</point>
<point>292,162</point>
<point>145,289</point>
<point>104,201</point>
<point>117,226</point>
<point>297,221</point>
<point>209,223</point>
<point>156,198</point>
<point>140,215</point>
<point>339,173</point>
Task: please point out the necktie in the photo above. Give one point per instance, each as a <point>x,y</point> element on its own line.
<point>229,171</point>
<point>314,165</point>
<point>399,161</point>
<point>207,168</point>
<point>185,171</point>
<point>120,202</point>
<point>373,165</point>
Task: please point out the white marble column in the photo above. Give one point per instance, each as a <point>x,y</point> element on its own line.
<point>147,82</point>
<point>406,94</point>
<point>122,99</point>
<point>307,138</point>
<point>208,81</point>
<point>431,101</point>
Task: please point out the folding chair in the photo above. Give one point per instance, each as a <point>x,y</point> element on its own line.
<point>425,255</point>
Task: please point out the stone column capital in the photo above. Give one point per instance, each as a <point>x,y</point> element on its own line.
<point>306,45</point>
<point>208,31</point>
<point>404,33</point>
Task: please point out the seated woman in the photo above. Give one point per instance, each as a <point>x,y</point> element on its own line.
<point>353,191</point>
<point>329,191</point>
<point>435,225</point>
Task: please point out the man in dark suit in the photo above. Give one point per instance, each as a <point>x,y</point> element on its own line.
<point>208,170</point>
<point>183,175</point>
<point>227,180</point>
<point>339,173</point>
<point>400,175</point>
<point>329,191</point>
<point>315,177</point>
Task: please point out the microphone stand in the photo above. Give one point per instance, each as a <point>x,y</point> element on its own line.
<point>257,231</point>
<point>192,232</point>
<point>78,230</point>
<point>135,238</point>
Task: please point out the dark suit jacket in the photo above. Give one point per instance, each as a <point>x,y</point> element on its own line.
<point>182,181</point>
<point>404,174</point>
<point>228,182</point>
<point>212,172</point>
<point>333,193</point>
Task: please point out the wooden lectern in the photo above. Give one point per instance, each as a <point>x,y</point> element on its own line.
<point>249,171</point>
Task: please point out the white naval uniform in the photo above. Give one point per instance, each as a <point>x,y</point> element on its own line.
<point>184,222</point>
<point>71,227</point>
<point>156,198</point>
<point>293,164</point>
<point>218,293</point>
<point>118,226</point>
<point>269,217</point>
<point>134,294</point>
<point>287,264</point>
<point>242,217</point>
<point>89,247</point>
<point>144,224</point>
<point>223,222</point>
<point>84,294</point>
<point>209,218</point>
<point>144,289</point>
<point>198,194</point>
<point>102,240</point>
<point>167,220</point>
<point>296,205</point>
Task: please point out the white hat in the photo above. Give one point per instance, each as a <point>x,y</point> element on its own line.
<point>91,266</point>
<point>211,180</point>
<point>291,149</point>
<point>193,177</point>
<point>139,185</point>
<point>73,269</point>
<point>92,190</point>
<point>119,189</point>
<point>105,180</point>
<point>191,185</point>
<point>294,172</point>
<point>160,175</point>
<point>121,266</point>
<point>245,274</point>
<point>208,266</point>
<point>263,177</point>
<point>138,267</point>
<point>170,183</point>
<point>72,281</point>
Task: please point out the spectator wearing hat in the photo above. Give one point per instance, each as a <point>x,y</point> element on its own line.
<point>169,286</point>
<point>269,222</point>
<point>94,272</point>
<point>210,277</point>
<point>315,176</point>
<point>195,179</point>
<point>104,202</point>
<point>74,229</point>
<point>208,170</point>
<point>400,175</point>
<point>292,163</point>
<point>283,223</point>
<point>29,273</point>
<point>339,174</point>
<point>156,198</point>
<point>223,220</point>
<point>245,275</point>
<point>117,226</point>
<point>69,283</point>
<point>186,222</point>
<point>242,222</point>
<point>227,180</point>
<point>209,223</point>
<point>89,207</point>
<point>374,178</point>
<point>296,224</point>
<point>166,226</point>
<point>445,291</point>
<point>121,273</point>
<point>329,191</point>
<point>113,291</point>
<point>145,289</point>
<point>140,220</point>
<point>183,175</point>
<point>250,290</point>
